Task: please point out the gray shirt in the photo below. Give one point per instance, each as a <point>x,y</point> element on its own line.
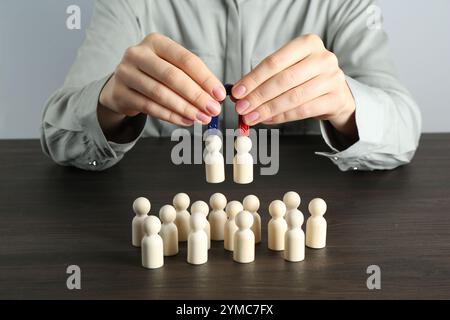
<point>232,37</point>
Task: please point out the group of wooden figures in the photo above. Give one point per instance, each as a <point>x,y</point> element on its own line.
<point>237,224</point>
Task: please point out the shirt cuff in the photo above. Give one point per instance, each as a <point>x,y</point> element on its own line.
<point>86,114</point>
<point>369,116</point>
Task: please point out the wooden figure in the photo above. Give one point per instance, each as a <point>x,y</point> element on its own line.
<point>181,203</point>
<point>152,244</point>
<point>202,207</point>
<point>277,225</point>
<point>251,204</point>
<point>169,230</point>
<point>292,201</point>
<point>141,207</point>
<point>217,217</point>
<point>294,244</point>
<point>214,161</point>
<point>316,226</point>
<point>197,246</point>
<point>243,161</point>
<point>244,239</point>
<point>232,209</point>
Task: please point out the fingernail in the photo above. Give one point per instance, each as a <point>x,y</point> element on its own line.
<point>239,91</point>
<point>187,121</point>
<point>252,117</point>
<point>219,93</point>
<point>213,107</point>
<point>203,118</point>
<point>242,105</point>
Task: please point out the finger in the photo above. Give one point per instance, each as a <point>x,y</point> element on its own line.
<point>179,82</point>
<point>291,53</point>
<point>295,97</point>
<point>192,65</point>
<point>290,78</point>
<point>320,107</point>
<point>160,94</point>
<point>136,101</point>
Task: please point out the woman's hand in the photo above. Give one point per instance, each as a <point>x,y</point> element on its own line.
<point>301,80</point>
<point>160,78</point>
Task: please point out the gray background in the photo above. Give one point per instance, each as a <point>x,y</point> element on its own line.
<point>36,51</point>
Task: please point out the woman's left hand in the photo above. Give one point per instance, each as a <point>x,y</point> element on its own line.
<point>301,80</point>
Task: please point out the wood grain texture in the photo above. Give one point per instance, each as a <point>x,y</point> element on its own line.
<point>52,217</point>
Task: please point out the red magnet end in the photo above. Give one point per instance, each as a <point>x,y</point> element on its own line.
<point>244,129</point>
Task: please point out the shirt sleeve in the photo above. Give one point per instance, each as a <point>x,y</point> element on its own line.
<point>70,132</point>
<point>387,118</point>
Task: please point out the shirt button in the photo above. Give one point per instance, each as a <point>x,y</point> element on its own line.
<point>93,163</point>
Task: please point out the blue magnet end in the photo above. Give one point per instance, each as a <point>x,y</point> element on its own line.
<point>214,124</point>
<point>228,88</point>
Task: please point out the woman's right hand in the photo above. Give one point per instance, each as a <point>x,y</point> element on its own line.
<point>160,78</point>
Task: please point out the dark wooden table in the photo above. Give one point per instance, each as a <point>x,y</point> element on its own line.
<point>52,217</point>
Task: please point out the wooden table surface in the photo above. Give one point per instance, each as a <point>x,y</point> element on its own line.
<point>53,216</point>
